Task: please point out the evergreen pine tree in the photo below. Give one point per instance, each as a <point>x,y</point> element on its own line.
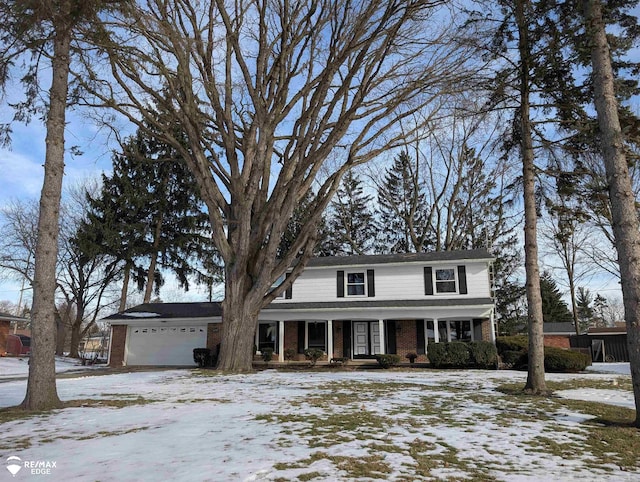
<point>402,221</point>
<point>350,225</point>
<point>149,215</point>
<point>554,308</point>
<point>584,308</point>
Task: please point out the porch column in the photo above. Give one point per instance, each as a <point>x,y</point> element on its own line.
<point>471,328</point>
<point>329,339</point>
<point>448,322</point>
<point>381,329</point>
<point>425,324</point>
<point>436,330</point>
<point>493,326</point>
<point>280,341</point>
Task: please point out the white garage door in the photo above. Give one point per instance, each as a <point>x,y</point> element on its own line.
<point>159,345</point>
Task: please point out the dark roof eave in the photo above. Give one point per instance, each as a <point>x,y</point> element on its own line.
<point>370,304</point>
<point>372,259</point>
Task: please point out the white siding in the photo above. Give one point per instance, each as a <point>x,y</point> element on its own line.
<point>392,282</point>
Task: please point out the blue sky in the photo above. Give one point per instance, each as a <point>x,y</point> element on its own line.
<point>22,169</point>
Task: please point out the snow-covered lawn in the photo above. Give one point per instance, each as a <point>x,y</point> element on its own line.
<point>16,367</point>
<point>328,425</point>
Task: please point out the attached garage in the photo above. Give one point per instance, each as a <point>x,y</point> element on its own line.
<point>163,334</point>
<point>160,345</point>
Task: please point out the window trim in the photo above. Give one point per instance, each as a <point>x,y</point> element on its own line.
<point>364,284</point>
<point>276,284</point>
<point>436,281</point>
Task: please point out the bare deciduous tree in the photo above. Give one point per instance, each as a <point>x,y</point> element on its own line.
<point>275,97</point>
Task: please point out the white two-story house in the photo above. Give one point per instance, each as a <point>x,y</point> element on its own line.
<point>347,306</point>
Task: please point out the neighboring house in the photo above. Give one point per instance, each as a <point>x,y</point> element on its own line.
<point>347,306</point>
<point>5,329</point>
<point>558,334</point>
<point>607,344</point>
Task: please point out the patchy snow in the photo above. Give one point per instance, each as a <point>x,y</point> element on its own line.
<point>141,314</point>
<point>17,367</point>
<point>620,367</point>
<point>260,427</point>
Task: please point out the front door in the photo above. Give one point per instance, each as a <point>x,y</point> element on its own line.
<point>366,338</point>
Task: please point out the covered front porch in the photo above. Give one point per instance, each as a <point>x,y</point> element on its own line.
<point>356,334</point>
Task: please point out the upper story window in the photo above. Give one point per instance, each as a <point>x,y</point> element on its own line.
<point>446,280</point>
<point>285,294</point>
<point>355,284</point>
<point>278,282</point>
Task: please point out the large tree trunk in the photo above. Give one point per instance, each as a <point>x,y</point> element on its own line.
<point>535,379</point>
<point>151,273</point>
<point>76,333</point>
<point>125,288</point>
<point>41,386</point>
<point>621,196</point>
<point>240,320</point>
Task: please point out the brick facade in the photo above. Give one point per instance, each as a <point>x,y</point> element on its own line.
<point>214,336</point>
<point>558,341</point>
<point>406,340</point>
<point>5,330</point>
<point>118,341</point>
<point>486,330</point>
<point>338,339</point>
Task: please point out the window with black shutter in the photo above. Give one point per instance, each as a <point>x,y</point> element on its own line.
<point>371,288</point>
<point>462,280</point>
<point>428,280</point>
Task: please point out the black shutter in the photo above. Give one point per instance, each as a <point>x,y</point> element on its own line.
<point>462,280</point>
<point>420,336</point>
<point>346,339</point>
<point>390,337</point>
<point>301,336</point>
<point>340,284</point>
<point>371,286</point>
<point>428,280</point>
<point>289,291</point>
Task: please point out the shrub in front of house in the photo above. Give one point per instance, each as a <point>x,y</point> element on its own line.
<point>267,354</point>
<point>515,359</point>
<point>458,354</point>
<point>289,354</point>
<point>512,343</point>
<point>483,354</point>
<point>313,355</point>
<point>559,360</point>
<point>437,354</point>
<point>555,359</point>
<point>412,357</point>
<point>388,360</point>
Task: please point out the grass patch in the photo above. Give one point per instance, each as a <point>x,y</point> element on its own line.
<point>368,466</point>
<point>609,435</point>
